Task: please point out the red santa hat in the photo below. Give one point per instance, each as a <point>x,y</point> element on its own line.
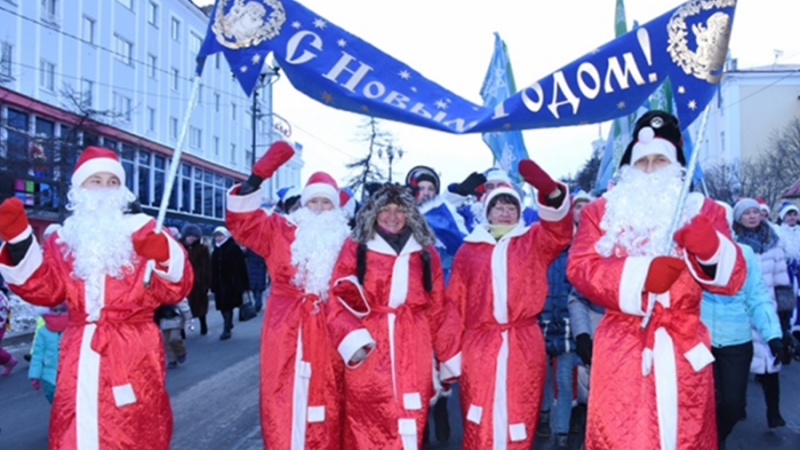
<point>320,184</point>
<point>504,188</point>
<point>347,201</point>
<point>94,160</point>
<point>762,205</point>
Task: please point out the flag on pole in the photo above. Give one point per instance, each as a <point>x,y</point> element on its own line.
<point>508,147</point>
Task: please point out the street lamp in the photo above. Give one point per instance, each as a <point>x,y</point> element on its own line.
<point>390,154</point>
<point>268,76</point>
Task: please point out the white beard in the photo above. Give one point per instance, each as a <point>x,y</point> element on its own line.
<point>638,212</point>
<point>317,241</point>
<point>97,237</point>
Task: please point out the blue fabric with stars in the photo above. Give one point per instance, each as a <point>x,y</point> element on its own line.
<point>341,70</point>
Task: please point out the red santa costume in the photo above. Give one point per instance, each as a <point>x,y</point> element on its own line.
<point>499,286</point>
<point>110,387</point>
<point>652,388</point>
<point>389,301</point>
<point>300,371</point>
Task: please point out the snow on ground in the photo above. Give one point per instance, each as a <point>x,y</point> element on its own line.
<point>23,316</point>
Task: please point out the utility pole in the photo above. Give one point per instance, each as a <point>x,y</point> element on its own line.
<point>268,77</point>
<point>390,154</point>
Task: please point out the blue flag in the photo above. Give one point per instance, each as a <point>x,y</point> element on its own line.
<point>508,147</point>
<point>687,45</point>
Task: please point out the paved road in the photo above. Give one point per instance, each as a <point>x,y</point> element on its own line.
<point>215,402</point>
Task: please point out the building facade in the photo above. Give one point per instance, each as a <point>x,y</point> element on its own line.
<point>118,73</point>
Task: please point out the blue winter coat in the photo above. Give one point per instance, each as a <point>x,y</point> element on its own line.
<point>44,358</point>
<point>728,317</point>
<point>554,318</point>
<point>256,271</point>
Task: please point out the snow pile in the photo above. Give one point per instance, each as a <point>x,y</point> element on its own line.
<point>23,316</point>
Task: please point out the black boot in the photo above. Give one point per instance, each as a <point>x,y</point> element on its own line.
<point>543,427</point>
<point>203,325</point>
<point>440,420</point>
<point>227,317</point>
<point>769,382</point>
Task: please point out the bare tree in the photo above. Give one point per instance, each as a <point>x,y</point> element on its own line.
<point>365,170</point>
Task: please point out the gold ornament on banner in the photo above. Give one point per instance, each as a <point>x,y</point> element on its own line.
<point>245,24</point>
<point>711,39</point>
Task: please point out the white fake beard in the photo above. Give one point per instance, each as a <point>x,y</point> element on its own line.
<point>96,236</point>
<point>638,212</point>
<point>317,241</point>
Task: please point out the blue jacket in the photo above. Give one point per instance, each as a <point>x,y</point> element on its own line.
<point>728,317</point>
<point>44,358</point>
<point>256,271</point>
<point>554,318</point>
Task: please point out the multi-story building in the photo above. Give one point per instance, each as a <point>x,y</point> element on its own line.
<point>118,73</point>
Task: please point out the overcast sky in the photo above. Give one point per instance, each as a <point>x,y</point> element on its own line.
<point>451,43</point>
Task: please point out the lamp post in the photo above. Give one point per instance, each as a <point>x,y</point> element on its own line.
<point>268,76</point>
<point>390,154</point>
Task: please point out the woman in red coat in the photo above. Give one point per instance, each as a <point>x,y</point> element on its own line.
<point>499,283</point>
<point>387,316</point>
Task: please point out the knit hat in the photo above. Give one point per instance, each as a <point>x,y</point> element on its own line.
<point>656,132</point>
<point>786,207</point>
<point>191,229</point>
<point>422,173</point>
<point>223,231</point>
<point>94,160</point>
<point>497,174</point>
<point>502,189</point>
<point>320,184</point>
<point>288,197</point>
<point>743,205</point>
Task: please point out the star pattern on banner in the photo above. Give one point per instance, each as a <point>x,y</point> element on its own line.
<point>507,126</point>
<point>441,104</point>
<point>692,105</point>
<point>243,69</point>
<point>621,105</point>
<point>413,89</point>
<point>404,74</point>
<point>320,23</point>
<point>327,98</point>
<point>364,108</point>
<point>341,43</point>
<point>296,25</point>
<point>681,90</point>
<point>256,59</point>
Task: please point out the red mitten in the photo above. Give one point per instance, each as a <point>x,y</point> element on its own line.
<point>13,220</point>
<point>699,238</point>
<point>278,153</point>
<point>152,246</point>
<point>35,384</point>
<point>663,272</point>
<point>537,177</point>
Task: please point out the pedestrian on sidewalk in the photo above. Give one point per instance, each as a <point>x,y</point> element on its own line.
<point>200,258</point>
<point>44,357</point>
<point>257,276</point>
<point>172,319</point>
<point>7,360</point>
<point>228,277</point>
<point>110,389</point>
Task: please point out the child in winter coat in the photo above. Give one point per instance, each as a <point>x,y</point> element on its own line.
<point>6,360</point>
<point>44,357</point>
<point>171,319</point>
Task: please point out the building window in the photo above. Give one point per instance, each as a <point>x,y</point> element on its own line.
<point>152,13</point>
<point>49,11</point>
<point>175,79</point>
<point>175,29</point>
<point>17,137</point>
<point>199,94</point>
<point>248,157</point>
<point>47,75</point>
<point>122,106</point>
<point>233,154</point>
<point>143,177</point>
<point>126,3</point>
<point>173,128</point>
<point>216,101</point>
<point>124,49</point>
<point>128,158</point>
<point>88,30</point>
<point>186,188</point>
<point>194,44</point>
<point>216,146</point>
<point>151,119</point>
<point>151,65</point>
<point>87,92</point>
<point>216,60</point>
<point>5,59</point>
<point>233,111</point>
<point>159,178</point>
<point>195,137</point>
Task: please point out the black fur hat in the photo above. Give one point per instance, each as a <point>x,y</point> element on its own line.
<point>665,126</point>
<point>367,217</point>
<point>422,173</point>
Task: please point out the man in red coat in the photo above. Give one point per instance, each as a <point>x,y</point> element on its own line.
<point>652,387</point>
<point>110,388</point>
<point>300,370</point>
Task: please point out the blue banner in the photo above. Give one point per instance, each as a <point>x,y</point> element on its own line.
<point>688,45</point>
<point>508,147</point>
